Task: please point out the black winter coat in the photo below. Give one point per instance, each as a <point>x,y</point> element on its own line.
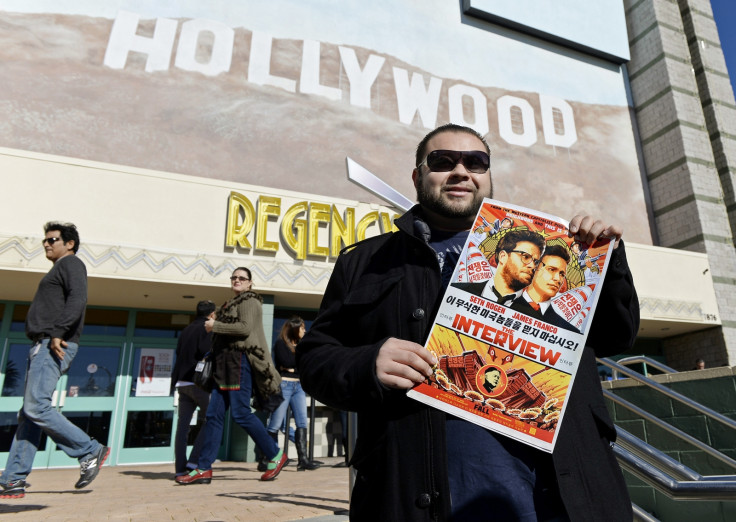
<point>194,342</point>
<point>389,286</point>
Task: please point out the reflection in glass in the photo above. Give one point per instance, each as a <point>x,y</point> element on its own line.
<point>165,325</point>
<point>15,370</point>
<point>148,429</point>
<point>96,424</point>
<point>103,321</point>
<point>93,371</point>
<point>8,426</point>
<point>18,322</point>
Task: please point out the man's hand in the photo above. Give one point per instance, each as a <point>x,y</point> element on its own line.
<point>208,324</point>
<point>57,346</point>
<point>587,229</point>
<point>402,364</point>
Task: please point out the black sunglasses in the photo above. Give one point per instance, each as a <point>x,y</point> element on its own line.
<point>50,240</point>
<point>239,278</point>
<point>475,161</point>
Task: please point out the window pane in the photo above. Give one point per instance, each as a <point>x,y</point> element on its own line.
<point>93,371</point>
<point>96,424</point>
<point>15,370</point>
<point>148,429</point>
<point>105,322</point>
<point>163,325</point>
<point>8,425</point>
<point>19,318</point>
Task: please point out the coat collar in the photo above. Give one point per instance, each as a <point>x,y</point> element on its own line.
<point>413,223</point>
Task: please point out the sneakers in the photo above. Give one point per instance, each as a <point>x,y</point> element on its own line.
<point>88,469</point>
<point>196,476</point>
<point>275,465</point>
<point>14,489</point>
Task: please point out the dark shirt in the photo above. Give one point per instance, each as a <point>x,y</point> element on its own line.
<point>194,342</point>
<point>448,246</point>
<point>58,307</point>
<point>284,359</point>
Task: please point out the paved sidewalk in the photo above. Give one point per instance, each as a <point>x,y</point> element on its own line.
<point>148,493</point>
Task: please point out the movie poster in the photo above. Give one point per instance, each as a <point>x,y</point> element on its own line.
<point>154,374</point>
<point>512,325</point>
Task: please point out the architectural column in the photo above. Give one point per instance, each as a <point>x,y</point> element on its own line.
<point>682,112</point>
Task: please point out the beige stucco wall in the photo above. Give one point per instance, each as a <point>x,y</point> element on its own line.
<point>675,289</point>
<point>143,225</point>
<point>148,230</point>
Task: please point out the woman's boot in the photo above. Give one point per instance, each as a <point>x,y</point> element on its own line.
<point>301,450</point>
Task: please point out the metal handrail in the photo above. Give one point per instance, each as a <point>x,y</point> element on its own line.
<point>677,490</point>
<point>634,359</point>
<point>642,516</point>
<point>653,466</point>
<point>669,393</point>
<point>660,459</point>
<point>702,446</point>
<point>654,456</point>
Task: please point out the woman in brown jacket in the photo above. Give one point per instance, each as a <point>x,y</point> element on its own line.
<point>243,367</point>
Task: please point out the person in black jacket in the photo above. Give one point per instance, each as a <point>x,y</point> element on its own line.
<point>193,344</point>
<point>363,352</point>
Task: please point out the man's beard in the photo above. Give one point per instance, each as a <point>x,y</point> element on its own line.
<point>442,207</point>
<point>511,281</point>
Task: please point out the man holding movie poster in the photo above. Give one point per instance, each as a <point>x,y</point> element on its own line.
<point>364,351</point>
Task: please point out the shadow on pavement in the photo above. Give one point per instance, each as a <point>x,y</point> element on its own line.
<point>20,508</point>
<point>327,504</point>
<point>150,475</point>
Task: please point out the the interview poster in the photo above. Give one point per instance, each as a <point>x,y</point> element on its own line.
<point>512,325</point>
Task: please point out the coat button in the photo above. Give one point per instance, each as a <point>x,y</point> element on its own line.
<point>424,500</point>
<point>418,314</point>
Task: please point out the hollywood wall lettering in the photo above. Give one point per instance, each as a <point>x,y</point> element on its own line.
<point>414,95</point>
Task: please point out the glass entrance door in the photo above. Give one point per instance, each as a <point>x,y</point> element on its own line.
<point>86,395</point>
<point>148,416</point>
<point>14,365</point>
<point>117,390</point>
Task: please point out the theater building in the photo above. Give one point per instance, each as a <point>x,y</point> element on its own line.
<point>185,140</point>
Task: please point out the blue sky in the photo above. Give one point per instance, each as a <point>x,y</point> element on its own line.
<point>724,12</point>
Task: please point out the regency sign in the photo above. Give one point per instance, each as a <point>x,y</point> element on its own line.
<point>307,229</point>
